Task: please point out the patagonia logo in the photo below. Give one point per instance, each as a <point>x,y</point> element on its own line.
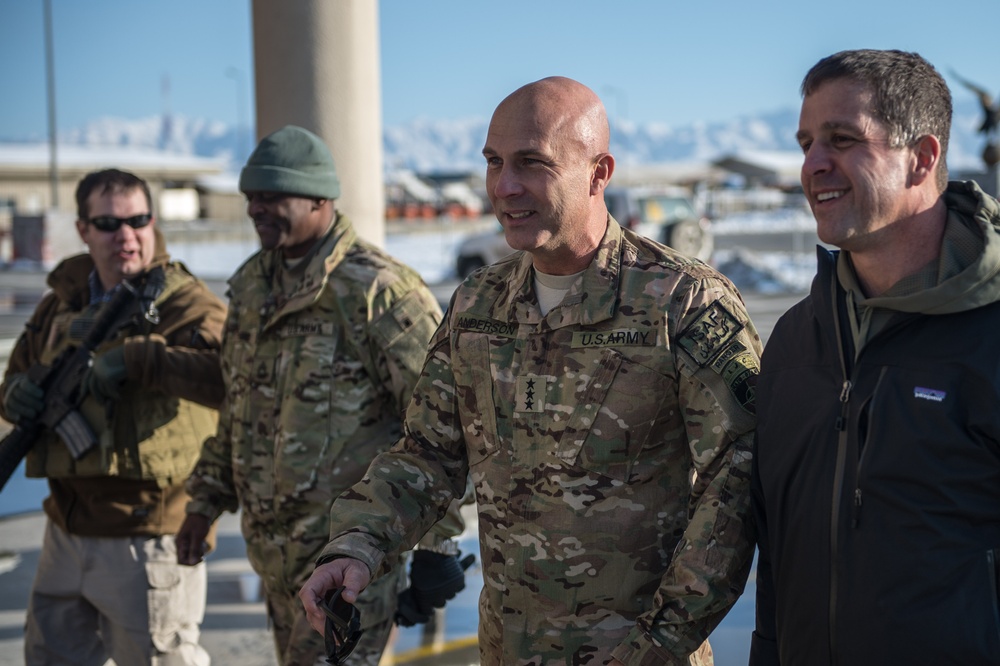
<point>614,338</point>
<point>933,395</point>
<point>486,325</point>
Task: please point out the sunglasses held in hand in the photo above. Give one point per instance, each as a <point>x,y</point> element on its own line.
<point>111,224</point>
<point>343,627</point>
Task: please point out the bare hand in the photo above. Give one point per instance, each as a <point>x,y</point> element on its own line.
<point>352,574</point>
<point>190,539</point>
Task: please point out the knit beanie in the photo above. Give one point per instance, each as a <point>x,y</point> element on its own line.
<point>291,160</point>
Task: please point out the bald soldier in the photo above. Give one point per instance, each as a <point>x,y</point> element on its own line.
<point>598,386</point>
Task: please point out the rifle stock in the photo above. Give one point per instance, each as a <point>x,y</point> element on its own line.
<point>62,382</point>
<point>13,448</point>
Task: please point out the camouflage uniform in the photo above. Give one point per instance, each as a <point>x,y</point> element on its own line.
<point>609,446</point>
<point>317,382</point>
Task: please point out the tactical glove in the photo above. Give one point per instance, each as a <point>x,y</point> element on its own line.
<point>24,399</point>
<point>434,579</point>
<point>106,375</point>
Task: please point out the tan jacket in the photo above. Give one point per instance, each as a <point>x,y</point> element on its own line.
<point>150,439</point>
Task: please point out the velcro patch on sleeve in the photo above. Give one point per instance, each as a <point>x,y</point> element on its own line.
<point>738,367</point>
<point>710,333</point>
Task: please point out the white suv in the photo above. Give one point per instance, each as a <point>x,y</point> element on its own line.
<point>664,215</point>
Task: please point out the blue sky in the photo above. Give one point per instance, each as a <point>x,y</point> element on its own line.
<point>652,60</point>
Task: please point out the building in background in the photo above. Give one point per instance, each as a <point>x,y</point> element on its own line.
<point>33,231</point>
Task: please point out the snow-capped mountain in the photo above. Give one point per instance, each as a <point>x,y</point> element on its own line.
<point>429,145</point>
<point>425,145</point>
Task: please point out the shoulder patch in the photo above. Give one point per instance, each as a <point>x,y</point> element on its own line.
<point>739,368</point>
<point>404,314</point>
<point>710,333</point>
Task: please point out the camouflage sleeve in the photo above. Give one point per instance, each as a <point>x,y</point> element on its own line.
<point>410,487</point>
<point>404,318</point>
<point>718,359</point>
<point>210,484</point>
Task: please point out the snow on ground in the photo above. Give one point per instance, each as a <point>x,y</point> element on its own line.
<point>778,221</point>
<point>432,255</point>
<point>767,272</point>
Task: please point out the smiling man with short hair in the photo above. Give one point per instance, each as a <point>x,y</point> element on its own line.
<point>877,461</point>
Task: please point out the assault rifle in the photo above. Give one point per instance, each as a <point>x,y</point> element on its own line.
<point>62,380</point>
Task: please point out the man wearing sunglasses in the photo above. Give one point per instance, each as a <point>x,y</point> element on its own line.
<point>324,341</point>
<point>108,584</point>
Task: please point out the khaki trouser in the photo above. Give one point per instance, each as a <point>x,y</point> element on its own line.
<point>125,598</point>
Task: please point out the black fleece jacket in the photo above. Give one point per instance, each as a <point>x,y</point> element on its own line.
<point>877,476</point>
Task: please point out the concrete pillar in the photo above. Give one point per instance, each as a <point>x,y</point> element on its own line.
<point>316,65</point>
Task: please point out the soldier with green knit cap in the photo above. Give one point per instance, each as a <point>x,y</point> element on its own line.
<point>324,342</point>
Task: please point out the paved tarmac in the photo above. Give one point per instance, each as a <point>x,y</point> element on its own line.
<point>235,628</point>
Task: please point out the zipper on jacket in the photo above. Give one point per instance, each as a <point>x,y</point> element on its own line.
<point>840,425</point>
<point>838,490</point>
<point>856,515</point>
<point>993,565</point>
<point>864,440</point>
<point>845,395</point>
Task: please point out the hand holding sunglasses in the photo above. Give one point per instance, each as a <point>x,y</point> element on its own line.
<point>343,627</point>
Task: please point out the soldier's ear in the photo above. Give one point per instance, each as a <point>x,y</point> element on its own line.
<point>926,158</point>
<point>604,166</point>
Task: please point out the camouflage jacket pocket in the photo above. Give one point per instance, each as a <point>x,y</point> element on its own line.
<point>613,416</point>
<point>476,400</point>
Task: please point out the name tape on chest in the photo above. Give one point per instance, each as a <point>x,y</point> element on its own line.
<point>298,329</point>
<point>623,337</point>
<point>478,324</point>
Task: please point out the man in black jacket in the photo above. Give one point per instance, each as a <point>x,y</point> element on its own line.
<point>877,464</point>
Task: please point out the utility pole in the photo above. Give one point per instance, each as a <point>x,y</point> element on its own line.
<point>50,80</point>
<point>240,154</point>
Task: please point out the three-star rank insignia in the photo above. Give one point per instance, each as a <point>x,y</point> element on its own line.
<point>531,392</point>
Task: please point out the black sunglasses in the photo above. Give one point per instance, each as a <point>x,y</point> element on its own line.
<point>109,223</point>
<point>343,627</point>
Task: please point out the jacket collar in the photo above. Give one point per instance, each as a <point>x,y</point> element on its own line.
<point>69,279</point>
<point>978,284</point>
<point>592,301</point>
<point>258,271</point>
